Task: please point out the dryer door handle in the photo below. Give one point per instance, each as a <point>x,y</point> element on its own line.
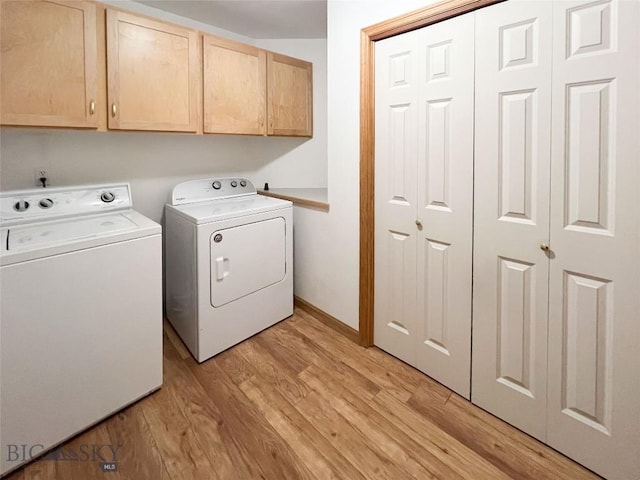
<point>222,268</point>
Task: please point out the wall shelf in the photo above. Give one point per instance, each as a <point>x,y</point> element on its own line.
<point>302,197</point>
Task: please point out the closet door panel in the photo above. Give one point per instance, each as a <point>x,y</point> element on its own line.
<point>445,201</point>
<point>396,195</point>
<point>594,326</point>
<point>511,212</point>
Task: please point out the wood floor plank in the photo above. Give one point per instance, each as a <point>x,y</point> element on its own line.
<point>391,440</point>
<point>36,470</point>
<point>548,462</point>
<point>203,415</point>
<point>410,376</point>
<point>196,473</point>
<point>174,435</point>
<point>138,456</point>
<point>355,447</point>
<point>310,446</point>
<point>293,342</point>
<point>351,354</point>
<point>237,368</point>
<point>281,376</point>
<point>19,474</point>
<point>512,451</point>
<point>249,432</point>
<point>281,356</point>
<point>465,461</point>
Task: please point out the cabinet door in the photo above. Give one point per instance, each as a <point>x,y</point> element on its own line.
<point>235,86</point>
<point>290,96</point>
<point>594,300</point>
<point>48,59</point>
<point>153,74</point>
<point>511,212</point>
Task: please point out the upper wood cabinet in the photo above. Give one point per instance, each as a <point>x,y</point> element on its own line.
<point>48,63</point>
<point>244,84</point>
<point>153,74</point>
<point>290,96</point>
<point>156,76</point>
<point>235,80</point>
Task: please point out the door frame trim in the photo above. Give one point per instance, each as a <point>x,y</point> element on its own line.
<point>404,23</point>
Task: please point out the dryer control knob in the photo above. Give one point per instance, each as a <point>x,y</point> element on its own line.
<point>216,185</point>
<point>243,183</point>
<point>21,205</point>
<point>234,184</point>
<point>107,197</point>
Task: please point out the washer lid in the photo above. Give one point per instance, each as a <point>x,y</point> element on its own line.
<point>29,241</point>
<point>214,210</point>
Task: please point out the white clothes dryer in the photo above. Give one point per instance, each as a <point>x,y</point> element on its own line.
<point>229,263</point>
<point>80,313</point>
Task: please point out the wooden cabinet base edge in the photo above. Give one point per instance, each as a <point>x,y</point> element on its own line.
<point>327,319</point>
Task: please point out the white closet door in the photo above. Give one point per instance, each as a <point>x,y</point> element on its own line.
<point>511,218</point>
<point>395,203</point>
<point>594,314</point>
<point>445,201</point>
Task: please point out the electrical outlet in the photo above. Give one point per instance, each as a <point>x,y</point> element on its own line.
<point>39,173</point>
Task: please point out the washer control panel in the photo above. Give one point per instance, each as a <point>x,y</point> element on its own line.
<point>211,189</point>
<point>52,203</point>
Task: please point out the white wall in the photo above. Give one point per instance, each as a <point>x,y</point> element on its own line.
<point>152,162</point>
<point>330,242</point>
<point>155,162</point>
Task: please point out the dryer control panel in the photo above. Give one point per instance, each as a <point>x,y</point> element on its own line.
<point>211,189</point>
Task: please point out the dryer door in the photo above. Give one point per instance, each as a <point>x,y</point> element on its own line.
<point>246,258</point>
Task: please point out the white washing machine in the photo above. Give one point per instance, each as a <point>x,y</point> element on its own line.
<point>80,313</point>
<point>229,263</point>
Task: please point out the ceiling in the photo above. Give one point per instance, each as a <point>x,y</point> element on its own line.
<point>254,18</point>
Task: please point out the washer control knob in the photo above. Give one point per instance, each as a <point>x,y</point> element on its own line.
<point>21,205</point>
<point>45,203</point>
<point>216,185</point>
<point>243,183</point>
<point>234,184</point>
<point>107,197</point>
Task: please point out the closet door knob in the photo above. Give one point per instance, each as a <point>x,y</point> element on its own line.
<point>544,247</point>
<point>419,224</point>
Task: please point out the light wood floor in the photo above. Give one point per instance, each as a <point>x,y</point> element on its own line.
<point>300,401</point>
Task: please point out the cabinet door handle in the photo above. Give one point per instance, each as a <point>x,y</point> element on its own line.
<point>419,224</point>
<point>113,110</point>
<point>544,247</point>
<point>92,107</point>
